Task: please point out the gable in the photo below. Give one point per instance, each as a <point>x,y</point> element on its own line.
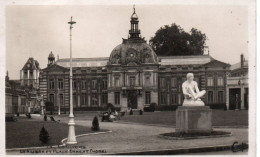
<point>55,68</point>
<point>216,63</point>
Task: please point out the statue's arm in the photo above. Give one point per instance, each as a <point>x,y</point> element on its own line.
<point>185,91</point>
<point>196,88</point>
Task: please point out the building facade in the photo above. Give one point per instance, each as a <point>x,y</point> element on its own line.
<point>133,76</point>
<point>237,85</point>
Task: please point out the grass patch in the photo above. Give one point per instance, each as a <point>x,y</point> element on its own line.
<point>25,133</point>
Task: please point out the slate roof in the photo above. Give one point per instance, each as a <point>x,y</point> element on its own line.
<point>83,62</point>
<point>34,65</point>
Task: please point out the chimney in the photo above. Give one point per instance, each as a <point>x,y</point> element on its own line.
<point>242,60</point>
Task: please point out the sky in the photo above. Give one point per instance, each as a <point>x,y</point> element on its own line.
<point>35,31</point>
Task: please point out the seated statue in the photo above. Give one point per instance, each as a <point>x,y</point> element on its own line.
<point>191,92</point>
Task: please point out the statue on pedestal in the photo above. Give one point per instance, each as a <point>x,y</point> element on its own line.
<point>191,92</point>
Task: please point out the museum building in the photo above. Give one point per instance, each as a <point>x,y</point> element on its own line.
<point>133,76</point>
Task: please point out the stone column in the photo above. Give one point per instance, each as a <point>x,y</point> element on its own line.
<point>227,97</point>
<point>242,98</point>
<point>28,77</point>
<point>21,77</point>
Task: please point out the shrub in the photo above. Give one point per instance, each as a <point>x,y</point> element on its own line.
<point>131,112</point>
<point>141,112</point>
<point>95,124</point>
<point>44,135</point>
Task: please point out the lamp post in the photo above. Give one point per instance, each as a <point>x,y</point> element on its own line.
<point>71,134</point>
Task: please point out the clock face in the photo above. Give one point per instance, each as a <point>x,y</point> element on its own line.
<point>132,55</point>
<point>28,65</point>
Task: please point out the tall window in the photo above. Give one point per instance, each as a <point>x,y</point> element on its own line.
<point>84,84</point>
<point>210,96</point>
<point>104,84</point>
<point>74,85</point>
<point>197,80</point>
<point>162,82</point>
<point>61,99</point>
<point>132,80</point>
<point>220,96</point>
<point>60,83</point>
<point>94,84</point>
<point>51,84</point>
<point>210,81</point>
<point>84,99</point>
<point>163,98</point>
<point>51,98</point>
<point>117,98</point>
<point>147,97</point>
<point>173,82</point>
<point>104,98</point>
<point>220,81</point>
<point>74,100</point>
<point>174,99</point>
<point>94,99</point>
<point>116,83</point>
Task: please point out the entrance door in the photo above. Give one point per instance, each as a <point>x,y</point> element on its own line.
<point>234,98</point>
<point>132,99</point>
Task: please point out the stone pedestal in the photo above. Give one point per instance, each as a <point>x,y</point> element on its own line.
<point>193,119</point>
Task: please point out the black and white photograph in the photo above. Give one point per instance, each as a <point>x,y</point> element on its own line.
<point>129,78</point>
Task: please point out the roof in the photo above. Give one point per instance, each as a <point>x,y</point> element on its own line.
<point>83,62</point>
<point>31,64</point>
<point>216,63</point>
<point>185,60</point>
<point>55,67</point>
<point>238,65</point>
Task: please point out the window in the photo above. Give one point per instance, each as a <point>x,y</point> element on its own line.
<point>94,99</point>
<point>84,99</point>
<point>61,99</point>
<point>196,79</point>
<point>104,84</point>
<point>132,80</point>
<point>60,83</point>
<point>51,84</point>
<point>116,83</point>
<point>51,98</point>
<point>220,96</point>
<point>210,81</point>
<point>104,98</point>
<point>117,98</point>
<point>162,82</point>
<point>84,84</point>
<point>173,82</point>
<point>74,100</point>
<point>74,85</point>
<point>174,99</point>
<point>163,98</point>
<point>147,97</point>
<point>220,81</point>
<point>94,84</point>
<point>147,80</point>
<point>210,96</point>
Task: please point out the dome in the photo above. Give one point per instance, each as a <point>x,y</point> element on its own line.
<point>51,55</point>
<point>134,16</point>
<point>133,53</point>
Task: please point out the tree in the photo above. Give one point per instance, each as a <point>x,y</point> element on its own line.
<point>44,135</point>
<point>173,41</point>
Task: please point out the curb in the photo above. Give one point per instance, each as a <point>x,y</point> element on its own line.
<point>178,151</point>
<point>57,146</point>
<point>96,133</point>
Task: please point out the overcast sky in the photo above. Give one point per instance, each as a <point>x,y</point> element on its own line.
<point>34,31</point>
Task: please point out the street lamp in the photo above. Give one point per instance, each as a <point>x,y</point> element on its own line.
<point>71,135</point>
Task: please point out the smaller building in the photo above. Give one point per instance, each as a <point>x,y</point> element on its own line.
<point>237,85</point>
<point>15,98</point>
<point>29,75</point>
